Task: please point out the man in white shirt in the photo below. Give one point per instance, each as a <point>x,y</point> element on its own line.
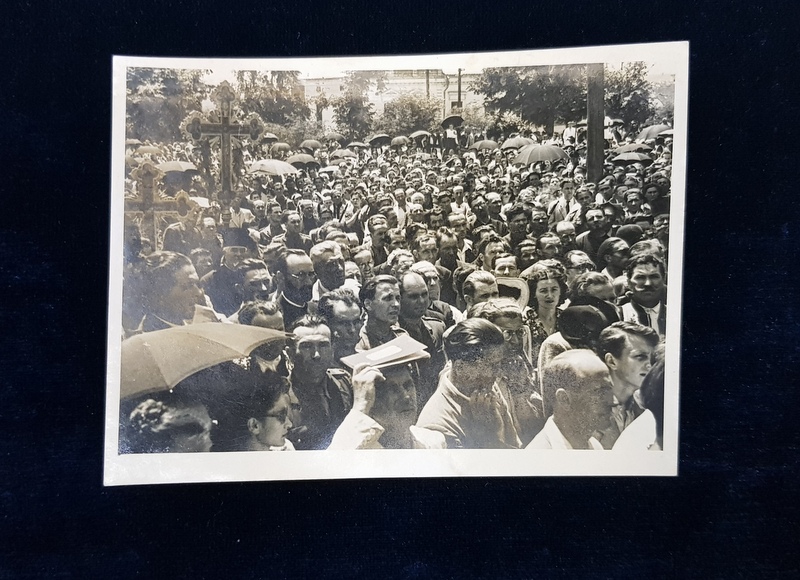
<point>240,217</point>
<point>579,385</point>
<point>647,284</point>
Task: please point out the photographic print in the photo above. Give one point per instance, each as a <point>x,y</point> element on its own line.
<point>397,266</point>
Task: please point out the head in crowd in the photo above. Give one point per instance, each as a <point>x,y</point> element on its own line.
<point>425,248</point>
<point>414,298</point>
<point>627,349</point>
<point>448,247</point>
<point>581,325</point>
<point>526,254</point>
<point>254,282</point>
<point>518,217</point>
<point>576,263</point>
<point>592,284</point>
<point>428,271</point>
<point>341,311</point>
<point>168,424</point>
<point>475,347</point>
<point>294,274</point>
<point>399,261</point>
<point>381,299</point>
<point>170,288</point>
<point>646,279</point>
<point>202,260</point>
<point>363,258</point>
<point>548,289</point>
<point>328,262</point>
<point>507,315</point>
<point>576,386</point>
<point>505,264</point>
<point>490,247</point>
<point>310,350</point>
<point>479,286</point>
<point>549,246</point>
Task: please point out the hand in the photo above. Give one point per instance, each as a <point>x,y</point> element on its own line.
<point>364,379</point>
<point>484,414</point>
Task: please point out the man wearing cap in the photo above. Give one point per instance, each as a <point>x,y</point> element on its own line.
<point>579,386</point>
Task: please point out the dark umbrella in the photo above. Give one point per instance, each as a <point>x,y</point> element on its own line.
<point>632,157</point>
<point>516,143</point>
<point>280,147</point>
<point>633,147</point>
<point>311,144</point>
<point>334,137</point>
<point>418,134</point>
<point>651,132</point>
<point>400,141</point>
<point>454,120</point>
<point>302,160</point>
<point>379,139</point>
<point>484,144</point>
<point>535,153</point>
<point>357,144</point>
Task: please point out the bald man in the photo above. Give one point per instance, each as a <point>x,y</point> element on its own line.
<point>579,385</point>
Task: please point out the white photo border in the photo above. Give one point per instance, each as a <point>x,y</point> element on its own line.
<point>121,469</point>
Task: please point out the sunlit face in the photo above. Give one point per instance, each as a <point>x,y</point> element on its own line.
<point>209,229</point>
<point>550,247</point>
<point>396,241</point>
<point>584,197</point>
<point>548,293</point>
<point>506,267</point>
<point>458,223</point>
<point>385,307</point>
<point>632,366</point>
<point>484,292</point>
<point>346,325</point>
<point>330,269</point>
<point>257,285</point>
<point>352,272</point>
<point>233,255</point>
<point>513,332</point>
<point>595,220</point>
<point>313,353</point>
<point>414,299</point>
<point>568,190</point>
<point>294,224</point>
<point>427,251</point>
<point>592,398</point>
<point>179,302</point>
<point>646,284</point>
<point>275,424</point>
<point>364,261</point>
<point>300,278</point>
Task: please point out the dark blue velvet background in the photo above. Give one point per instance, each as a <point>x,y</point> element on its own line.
<point>732,512</point>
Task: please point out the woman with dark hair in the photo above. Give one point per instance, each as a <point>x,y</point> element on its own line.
<point>166,424</point>
<point>548,291</point>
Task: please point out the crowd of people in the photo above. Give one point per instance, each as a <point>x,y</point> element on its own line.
<point>539,296</point>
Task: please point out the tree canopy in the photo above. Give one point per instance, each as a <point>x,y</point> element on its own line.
<point>353,111</point>
<point>628,94</point>
<point>408,113</point>
<point>276,96</point>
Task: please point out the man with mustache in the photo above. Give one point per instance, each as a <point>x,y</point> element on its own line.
<point>647,284</point>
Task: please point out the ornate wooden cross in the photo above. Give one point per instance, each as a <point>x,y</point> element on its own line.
<point>195,127</point>
<point>147,209</point>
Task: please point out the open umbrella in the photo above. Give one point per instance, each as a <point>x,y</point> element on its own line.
<point>418,134</point>
<point>651,132</point>
<point>357,144</point>
<point>148,150</point>
<point>157,361</point>
<point>632,157</point>
<point>311,144</point>
<point>334,137</point>
<point>342,154</point>
<point>516,143</point>
<point>400,140</point>
<point>132,142</point>
<point>280,147</point>
<point>636,147</point>
<point>379,139</point>
<point>484,144</point>
<point>329,169</point>
<point>176,166</point>
<point>667,133</point>
<point>269,138</point>
<point>535,153</point>
<point>609,122</point>
<point>454,120</point>
<point>302,160</point>
<point>272,167</point>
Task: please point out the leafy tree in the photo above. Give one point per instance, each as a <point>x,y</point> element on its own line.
<point>628,93</point>
<point>408,113</point>
<point>276,96</point>
<point>353,111</point>
<point>540,95</point>
<point>159,99</point>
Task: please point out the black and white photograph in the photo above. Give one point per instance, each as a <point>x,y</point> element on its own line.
<point>403,266</point>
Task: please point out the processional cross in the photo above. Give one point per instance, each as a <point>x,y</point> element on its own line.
<point>196,127</point>
<point>145,207</point>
